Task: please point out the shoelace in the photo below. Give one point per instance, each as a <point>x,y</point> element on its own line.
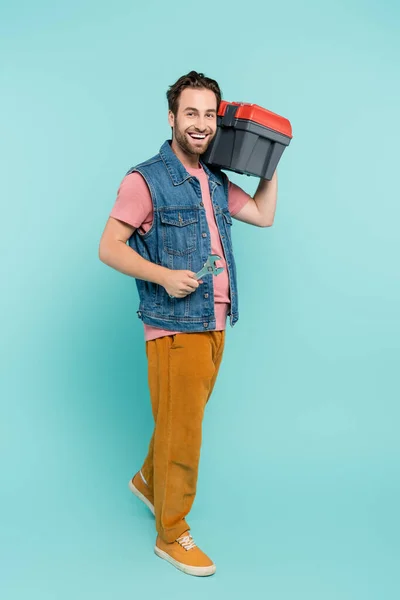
<point>186,541</point>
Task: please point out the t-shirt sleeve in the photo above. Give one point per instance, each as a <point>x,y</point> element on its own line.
<point>237,198</point>
<point>133,204</point>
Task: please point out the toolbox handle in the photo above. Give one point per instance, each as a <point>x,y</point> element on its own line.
<point>229,116</point>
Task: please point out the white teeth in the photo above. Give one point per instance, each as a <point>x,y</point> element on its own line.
<point>200,137</point>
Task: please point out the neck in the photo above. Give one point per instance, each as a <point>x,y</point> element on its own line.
<point>188,160</point>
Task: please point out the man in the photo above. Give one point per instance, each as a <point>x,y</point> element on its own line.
<point>174,212</point>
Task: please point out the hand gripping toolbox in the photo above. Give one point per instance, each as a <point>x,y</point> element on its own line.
<point>249,139</point>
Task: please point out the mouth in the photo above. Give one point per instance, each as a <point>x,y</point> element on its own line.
<point>198,137</point>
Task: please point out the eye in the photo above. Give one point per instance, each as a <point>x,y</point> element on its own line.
<point>189,114</point>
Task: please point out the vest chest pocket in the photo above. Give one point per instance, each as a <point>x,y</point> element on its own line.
<point>179,230</point>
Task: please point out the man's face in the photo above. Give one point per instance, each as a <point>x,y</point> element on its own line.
<point>195,124</point>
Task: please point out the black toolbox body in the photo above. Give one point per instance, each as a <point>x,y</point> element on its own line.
<point>249,139</point>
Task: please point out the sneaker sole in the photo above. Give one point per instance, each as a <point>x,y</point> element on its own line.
<point>143,498</point>
<point>197,571</point>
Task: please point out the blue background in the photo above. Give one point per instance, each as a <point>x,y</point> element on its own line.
<point>298,491</point>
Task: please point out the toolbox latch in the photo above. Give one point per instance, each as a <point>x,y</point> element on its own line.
<point>228,120</point>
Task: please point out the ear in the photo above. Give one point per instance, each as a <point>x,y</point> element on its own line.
<point>171,118</point>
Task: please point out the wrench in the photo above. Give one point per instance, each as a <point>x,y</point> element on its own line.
<point>209,267</point>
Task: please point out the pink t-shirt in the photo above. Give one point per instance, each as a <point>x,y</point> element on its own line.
<point>134,206</point>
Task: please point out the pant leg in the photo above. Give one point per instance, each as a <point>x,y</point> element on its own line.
<point>217,362</point>
<point>153,382</point>
<point>182,372</point>
<point>156,372</point>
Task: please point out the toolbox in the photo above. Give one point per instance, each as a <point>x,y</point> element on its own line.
<point>249,139</point>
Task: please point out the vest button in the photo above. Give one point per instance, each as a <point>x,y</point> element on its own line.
<point>201,203</point>
<point>204,234</point>
<point>205,295</point>
<point>205,325</point>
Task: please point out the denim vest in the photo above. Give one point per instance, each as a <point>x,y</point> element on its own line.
<point>179,238</point>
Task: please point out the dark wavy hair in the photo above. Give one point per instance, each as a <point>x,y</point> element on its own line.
<point>193,80</point>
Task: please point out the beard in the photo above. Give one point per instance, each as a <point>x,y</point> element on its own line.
<point>188,144</point>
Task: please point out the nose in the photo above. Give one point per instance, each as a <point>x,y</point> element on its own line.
<point>200,124</point>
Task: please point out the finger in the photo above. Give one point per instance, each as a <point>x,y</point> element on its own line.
<point>193,283</point>
<point>189,290</point>
<point>192,288</point>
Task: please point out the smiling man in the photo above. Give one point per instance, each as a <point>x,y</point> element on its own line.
<point>174,211</point>
<point>196,126</point>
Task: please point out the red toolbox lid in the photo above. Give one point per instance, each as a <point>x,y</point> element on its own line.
<point>257,114</point>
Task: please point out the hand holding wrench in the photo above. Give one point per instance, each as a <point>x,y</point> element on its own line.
<point>209,267</point>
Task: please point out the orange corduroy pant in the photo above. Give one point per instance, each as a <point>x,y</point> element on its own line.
<point>182,371</point>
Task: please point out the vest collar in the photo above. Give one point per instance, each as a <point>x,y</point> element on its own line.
<point>175,168</point>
